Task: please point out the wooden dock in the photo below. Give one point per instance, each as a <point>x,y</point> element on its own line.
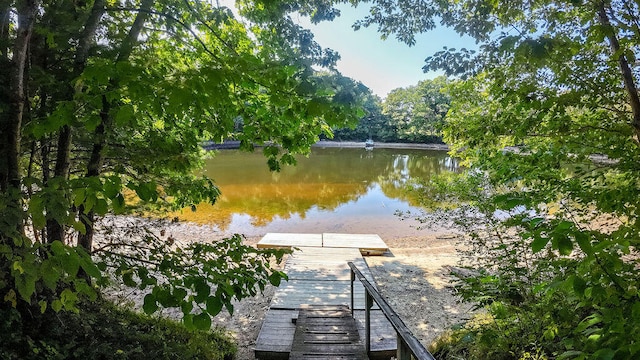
<point>368,244</point>
<point>326,332</point>
<point>319,276</point>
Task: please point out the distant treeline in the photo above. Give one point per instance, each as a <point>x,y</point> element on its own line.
<point>414,114</point>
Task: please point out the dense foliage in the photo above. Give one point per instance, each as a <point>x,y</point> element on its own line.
<point>102,331</point>
<point>417,112</point>
<point>414,114</point>
<point>547,120</point>
<point>103,107</point>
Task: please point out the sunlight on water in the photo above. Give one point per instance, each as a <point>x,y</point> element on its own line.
<point>333,190</point>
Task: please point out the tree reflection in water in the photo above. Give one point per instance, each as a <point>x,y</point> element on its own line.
<point>333,189</point>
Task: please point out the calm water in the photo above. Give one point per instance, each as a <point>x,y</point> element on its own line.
<point>333,190</point>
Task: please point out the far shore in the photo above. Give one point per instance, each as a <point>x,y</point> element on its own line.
<point>340,144</point>
<point>382,145</point>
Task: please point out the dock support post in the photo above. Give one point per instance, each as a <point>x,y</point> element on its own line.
<point>367,317</point>
<point>403,352</point>
<point>353,279</point>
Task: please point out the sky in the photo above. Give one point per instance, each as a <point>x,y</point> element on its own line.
<point>381,65</point>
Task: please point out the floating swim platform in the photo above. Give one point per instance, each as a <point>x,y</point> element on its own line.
<point>368,244</point>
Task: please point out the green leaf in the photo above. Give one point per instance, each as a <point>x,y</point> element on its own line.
<point>43,306</point>
<point>539,243</point>
<point>202,321</point>
<point>214,305</point>
<point>187,320</point>
<point>118,203</point>
<point>583,241</point>
<point>229,307</point>
<point>203,290</point>
<point>147,191</point>
<point>56,305</point>
<point>89,266</point>
<point>79,227</point>
<point>78,196</point>
<point>71,263</point>
<point>26,285</point>
<point>604,354</point>
<point>186,307</point>
<point>149,304</point>
<point>101,207</point>
<point>124,115</point>
<point>127,279</point>
<point>564,244</point>
<point>179,294</point>
<point>69,299</point>
<point>50,275</point>
<point>579,285</point>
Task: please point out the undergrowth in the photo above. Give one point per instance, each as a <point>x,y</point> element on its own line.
<point>101,330</point>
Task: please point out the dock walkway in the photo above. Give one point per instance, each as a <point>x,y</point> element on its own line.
<point>319,276</point>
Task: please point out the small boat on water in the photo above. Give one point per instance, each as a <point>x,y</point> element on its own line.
<point>368,144</point>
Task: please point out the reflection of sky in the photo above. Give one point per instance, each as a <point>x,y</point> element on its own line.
<point>372,212</point>
<point>373,203</point>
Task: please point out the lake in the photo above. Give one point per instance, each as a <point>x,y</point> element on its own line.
<point>333,190</point>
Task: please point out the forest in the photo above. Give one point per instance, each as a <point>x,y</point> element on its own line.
<point>105,103</point>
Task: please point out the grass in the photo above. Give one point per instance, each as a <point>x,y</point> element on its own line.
<point>100,330</point>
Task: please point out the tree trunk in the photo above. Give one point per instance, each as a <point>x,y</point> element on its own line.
<point>625,69</point>
<point>5,18</point>
<point>11,120</point>
<point>95,162</point>
<point>12,111</point>
<point>56,230</point>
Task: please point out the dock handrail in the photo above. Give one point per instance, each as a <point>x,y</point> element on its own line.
<point>407,343</point>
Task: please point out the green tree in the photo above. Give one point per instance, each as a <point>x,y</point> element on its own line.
<point>372,125</point>
<point>101,99</point>
<point>417,112</point>
<point>548,121</point>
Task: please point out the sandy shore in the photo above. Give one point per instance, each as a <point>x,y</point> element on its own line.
<point>413,277</point>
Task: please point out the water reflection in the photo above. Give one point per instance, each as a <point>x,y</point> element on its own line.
<point>334,189</point>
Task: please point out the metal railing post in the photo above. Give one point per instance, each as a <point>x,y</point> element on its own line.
<point>408,345</point>
<point>367,319</point>
<point>353,279</point>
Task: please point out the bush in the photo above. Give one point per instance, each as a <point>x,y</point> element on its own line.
<point>100,330</point>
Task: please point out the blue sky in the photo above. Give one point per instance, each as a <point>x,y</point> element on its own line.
<point>382,65</point>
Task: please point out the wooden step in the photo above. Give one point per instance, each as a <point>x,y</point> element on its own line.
<point>326,333</point>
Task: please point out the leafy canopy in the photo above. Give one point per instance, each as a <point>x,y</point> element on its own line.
<point>547,121</point>
<point>104,106</point>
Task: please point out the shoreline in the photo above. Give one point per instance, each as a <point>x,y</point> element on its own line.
<point>381,145</point>
<point>234,145</point>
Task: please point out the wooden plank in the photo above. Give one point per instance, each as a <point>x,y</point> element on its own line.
<point>288,240</point>
<point>323,264</point>
<point>320,276</point>
<point>326,332</point>
<point>276,335</point>
<point>401,329</point>
<point>293,293</point>
<point>369,244</point>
